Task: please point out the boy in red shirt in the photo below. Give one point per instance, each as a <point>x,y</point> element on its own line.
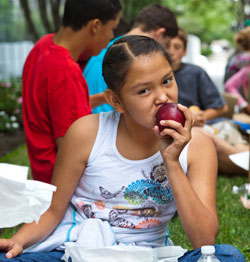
<point>55,93</point>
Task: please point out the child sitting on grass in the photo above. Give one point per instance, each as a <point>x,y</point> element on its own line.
<point>117,171</point>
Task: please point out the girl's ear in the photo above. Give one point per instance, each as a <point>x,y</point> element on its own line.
<point>113,99</point>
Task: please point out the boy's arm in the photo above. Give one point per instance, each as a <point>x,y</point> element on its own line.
<point>97,100</point>
<point>212,113</point>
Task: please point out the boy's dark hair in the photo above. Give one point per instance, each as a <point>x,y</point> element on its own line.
<point>156,16</point>
<point>183,36</point>
<point>77,13</point>
<point>122,28</point>
<point>121,54</point>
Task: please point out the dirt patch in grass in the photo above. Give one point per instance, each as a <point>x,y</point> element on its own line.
<point>10,141</point>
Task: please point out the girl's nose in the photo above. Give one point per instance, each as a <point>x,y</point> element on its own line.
<point>161,97</point>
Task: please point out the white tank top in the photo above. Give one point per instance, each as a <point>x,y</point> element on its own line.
<point>133,196</point>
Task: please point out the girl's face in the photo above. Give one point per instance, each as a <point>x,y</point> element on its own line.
<point>149,83</point>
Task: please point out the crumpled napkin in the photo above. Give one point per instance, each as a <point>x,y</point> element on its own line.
<point>122,253</point>
<point>21,200</point>
<point>96,242</point>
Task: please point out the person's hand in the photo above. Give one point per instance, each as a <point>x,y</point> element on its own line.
<point>199,119</point>
<point>172,140</point>
<point>11,247</point>
<point>245,202</point>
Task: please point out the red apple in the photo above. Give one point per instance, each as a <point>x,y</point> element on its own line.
<point>169,111</point>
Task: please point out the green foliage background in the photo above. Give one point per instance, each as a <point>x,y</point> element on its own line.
<point>210,19</point>
<point>10,105</point>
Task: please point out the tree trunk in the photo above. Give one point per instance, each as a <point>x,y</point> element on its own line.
<point>31,28</point>
<point>43,14</point>
<point>55,6</point>
<point>125,10</point>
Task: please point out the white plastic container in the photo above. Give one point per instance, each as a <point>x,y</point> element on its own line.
<point>208,254</point>
<point>243,190</point>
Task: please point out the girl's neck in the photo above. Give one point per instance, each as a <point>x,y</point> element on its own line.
<point>134,141</point>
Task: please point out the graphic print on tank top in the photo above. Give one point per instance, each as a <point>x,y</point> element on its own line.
<point>152,194</point>
<point>155,186</point>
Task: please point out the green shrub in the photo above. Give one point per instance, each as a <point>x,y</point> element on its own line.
<point>10,105</point>
<point>206,51</point>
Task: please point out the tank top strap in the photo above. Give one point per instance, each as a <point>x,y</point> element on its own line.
<point>107,130</point>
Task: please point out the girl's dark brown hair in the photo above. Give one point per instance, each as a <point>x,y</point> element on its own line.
<point>121,54</point>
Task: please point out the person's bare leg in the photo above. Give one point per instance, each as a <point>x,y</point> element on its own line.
<point>225,165</point>
<point>224,149</point>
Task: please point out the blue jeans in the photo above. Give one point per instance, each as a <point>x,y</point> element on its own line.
<point>225,253</point>
<point>53,256</point>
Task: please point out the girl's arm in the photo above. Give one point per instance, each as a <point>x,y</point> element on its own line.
<point>194,194</point>
<point>70,163</point>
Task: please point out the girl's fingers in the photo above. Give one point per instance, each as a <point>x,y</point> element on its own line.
<point>13,249</point>
<point>13,252</point>
<point>171,124</point>
<point>9,255</point>
<point>176,136</point>
<point>188,116</point>
<point>174,129</point>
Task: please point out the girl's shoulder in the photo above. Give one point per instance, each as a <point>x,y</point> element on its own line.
<point>199,137</point>
<point>86,123</point>
<point>201,145</point>
<point>83,131</point>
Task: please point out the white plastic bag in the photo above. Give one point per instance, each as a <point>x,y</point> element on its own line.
<point>122,253</point>
<point>21,200</point>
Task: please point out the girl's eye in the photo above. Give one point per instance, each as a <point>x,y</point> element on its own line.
<point>167,81</point>
<point>143,91</point>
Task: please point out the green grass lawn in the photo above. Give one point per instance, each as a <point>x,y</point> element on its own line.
<point>234,220</point>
